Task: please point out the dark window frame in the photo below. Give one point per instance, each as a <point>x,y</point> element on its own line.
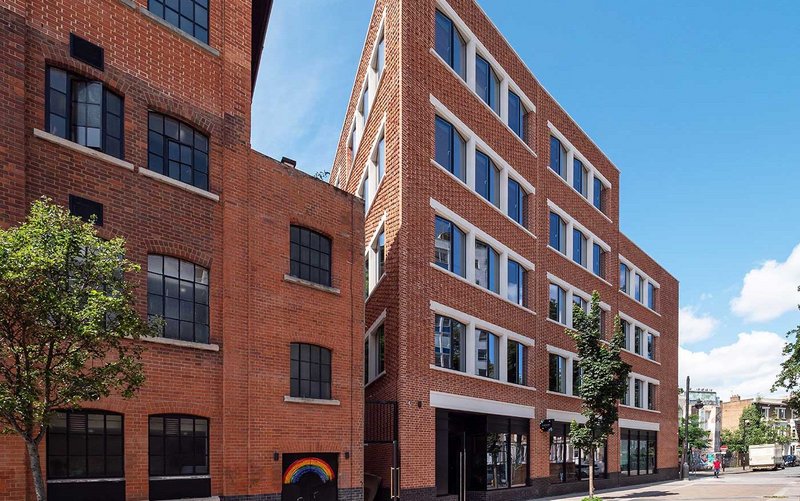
<point>186,158</point>
<point>457,253</point>
<point>491,86</point>
<point>164,455</point>
<point>297,263</point>
<point>520,116</point>
<point>517,360</point>
<point>560,233</point>
<point>559,306</point>
<point>459,171</point>
<point>444,327</point>
<point>50,444</point>
<point>456,42</point>
<point>521,289</point>
<point>490,190</point>
<point>557,373</point>
<point>628,435</point>
<point>519,203</point>
<point>202,37</point>
<point>302,361</point>
<point>200,280</point>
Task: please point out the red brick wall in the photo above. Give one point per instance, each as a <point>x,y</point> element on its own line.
<point>243,239</point>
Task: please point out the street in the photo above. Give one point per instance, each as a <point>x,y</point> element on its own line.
<point>732,485</point>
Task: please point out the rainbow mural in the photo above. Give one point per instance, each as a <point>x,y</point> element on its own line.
<point>302,466</point>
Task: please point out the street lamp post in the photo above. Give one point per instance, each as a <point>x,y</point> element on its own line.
<point>744,442</point>
<point>684,472</point>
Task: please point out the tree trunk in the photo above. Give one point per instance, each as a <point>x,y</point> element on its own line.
<point>591,472</point>
<point>36,470</point>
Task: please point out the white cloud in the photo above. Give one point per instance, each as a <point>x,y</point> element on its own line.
<point>747,367</point>
<point>770,290</point>
<point>695,327</point>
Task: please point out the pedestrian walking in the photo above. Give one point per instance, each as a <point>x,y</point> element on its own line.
<point>716,467</point>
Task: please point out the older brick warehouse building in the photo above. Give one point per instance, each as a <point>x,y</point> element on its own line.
<point>489,213</point>
<point>139,113</point>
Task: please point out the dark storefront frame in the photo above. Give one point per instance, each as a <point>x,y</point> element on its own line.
<point>559,437</point>
<point>645,463</point>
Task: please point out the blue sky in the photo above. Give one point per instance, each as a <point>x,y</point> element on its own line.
<point>698,105</point>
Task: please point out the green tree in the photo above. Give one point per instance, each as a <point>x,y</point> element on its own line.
<point>754,429</point>
<point>698,437</point>
<point>65,311</point>
<point>789,376</point>
<point>603,380</point>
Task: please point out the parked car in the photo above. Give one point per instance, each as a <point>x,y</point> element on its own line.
<point>790,460</point>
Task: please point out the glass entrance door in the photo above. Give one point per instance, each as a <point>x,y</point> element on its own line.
<point>457,464</point>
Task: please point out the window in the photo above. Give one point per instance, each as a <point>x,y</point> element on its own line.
<point>380,57</point>
<point>365,194</point>
<point>558,233</point>
<point>178,445</point>
<point>626,330</point>
<point>580,302</point>
<point>177,150</point>
<point>451,149</point>
<point>488,353</point>
<point>516,115</point>
<point>86,209</point>
<point>449,343</point>
<point>516,202</point>
<point>85,444</point>
<point>638,335</point>
<point>450,247</point>
<point>365,106</point>
<point>516,283</point>
<point>487,262</point>
<point>373,354</point>
<point>599,261</point>
<point>310,256</point>
<point>567,462</point>
<point>380,251</point>
<point>577,372</point>
<point>651,396</point>
<point>624,274</point>
<point>651,296</point>
<point>558,157</point>
<point>558,373</point>
<point>637,452</point>
<point>651,346</point>
<point>637,392</point>
<point>517,362</point>
<point>487,84</point>
<point>781,413</point>
<point>177,290</point>
<point>190,16</point>
<point>487,179</point>
<point>580,176</point>
<point>310,371</point>
<point>84,111</point>
<point>380,159</point>
<point>450,45</point>
<point>558,307</point>
<point>626,397</point>
<point>638,288</point>
<point>579,247</point>
<point>598,197</point>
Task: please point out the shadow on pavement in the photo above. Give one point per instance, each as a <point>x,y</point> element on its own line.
<point>648,494</point>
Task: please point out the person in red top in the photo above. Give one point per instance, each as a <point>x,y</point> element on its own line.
<point>716,467</point>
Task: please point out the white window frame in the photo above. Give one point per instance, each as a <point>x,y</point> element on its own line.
<point>570,358</point>
<point>473,233</point>
<point>474,47</point>
<point>372,342</point>
<point>370,171</point>
<point>571,291</point>
<point>473,324</point>
<point>630,344</point>
<point>646,380</point>
<point>474,142</point>
<point>371,253</point>
<point>591,239</point>
<point>593,172</point>
<point>631,292</point>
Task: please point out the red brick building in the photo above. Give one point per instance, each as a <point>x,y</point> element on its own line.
<point>139,112</point>
<point>489,212</point>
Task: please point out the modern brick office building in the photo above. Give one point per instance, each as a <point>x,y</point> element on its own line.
<point>139,112</point>
<point>489,212</point>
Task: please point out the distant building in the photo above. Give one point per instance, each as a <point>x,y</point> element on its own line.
<point>710,413</point>
<point>774,410</point>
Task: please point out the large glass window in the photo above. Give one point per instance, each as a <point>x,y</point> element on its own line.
<point>516,363</point>
<point>451,149</point>
<point>637,340</point>
<point>651,346</point>
<point>365,194</point>
<point>497,461</point>
<point>380,159</point>
<point>516,202</point>
<point>567,462</point>
<point>638,290</point>
<point>558,304</point>
<point>310,255</point>
<point>516,115</point>
<point>365,105</point>
<point>450,45</point>
<point>558,373</point>
<point>558,233</point>
<point>519,459</point>
<point>597,201</point>
<point>487,84</point>
<point>380,56</point>
<point>624,275</point>
<point>558,157</point>
<point>190,16</point>
<point>651,396</point>
<point>516,283</point>
<point>374,354</point>
<point>638,452</point>
<point>177,150</point>
<point>178,445</point>
<point>637,393</point>
<point>449,247</point>
<point>177,291</point>
<point>310,371</point>
<point>626,331</point>
<point>651,296</point>
<point>580,176</point>
<point>450,343</point>
<point>487,354</point>
<point>84,112</point>
<point>598,261</point>
<point>487,178</point>
<point>487,263</point>
<point>579,242</point>
<point>85,444</point>
<point>380,252</point>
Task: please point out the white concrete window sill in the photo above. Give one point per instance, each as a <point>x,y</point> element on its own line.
<point>179,184</point>
<point>181,343</point>
<point>313,285</point>
<point>82,149</point>
<point>312,401</point>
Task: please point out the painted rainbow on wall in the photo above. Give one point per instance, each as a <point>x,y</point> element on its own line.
<point>299,468</point>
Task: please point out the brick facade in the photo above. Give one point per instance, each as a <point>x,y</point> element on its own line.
<point>415,87</point>
<point>238,229</point>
